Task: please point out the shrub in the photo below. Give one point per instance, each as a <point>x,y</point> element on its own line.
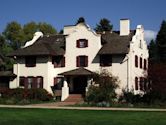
<point>105,92</point>
<point>20,95</point>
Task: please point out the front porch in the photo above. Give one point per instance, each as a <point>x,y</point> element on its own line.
<point>76,81</point>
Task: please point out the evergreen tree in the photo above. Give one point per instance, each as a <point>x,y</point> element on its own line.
<point>104,25</point>
<point>161,41</point>
<point>153,52</point>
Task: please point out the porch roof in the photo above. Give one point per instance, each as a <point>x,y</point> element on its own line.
<point>7,74</point>
<point>78,71</point>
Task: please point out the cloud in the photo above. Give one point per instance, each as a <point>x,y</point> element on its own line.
<point>149,35</point>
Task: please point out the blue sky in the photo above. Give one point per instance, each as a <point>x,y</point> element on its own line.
<point>58,13</point>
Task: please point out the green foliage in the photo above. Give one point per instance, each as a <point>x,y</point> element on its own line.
<point>161,41</point>
<point>46,28</point>
<point>104,25</point>
<point>104,88</point>
<point>21,96</point>
<point>153,52</point>
<point>13,34</point>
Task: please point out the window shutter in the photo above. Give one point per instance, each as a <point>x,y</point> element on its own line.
<point>26,83</point>
<point>34,82</point>
<point>41,82</point>
<point>78,43</point>
<point>63,62</point>
<point>86,61</point>
<point>86,43</point>
<point>78,61</point>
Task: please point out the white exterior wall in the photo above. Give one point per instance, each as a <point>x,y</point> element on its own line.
<point>122,66</point>
<point>94,44</point>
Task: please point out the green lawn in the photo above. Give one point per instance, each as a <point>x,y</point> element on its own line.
<point>11,116</point>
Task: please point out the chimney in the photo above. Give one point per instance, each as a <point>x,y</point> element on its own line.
<point>124,27</point>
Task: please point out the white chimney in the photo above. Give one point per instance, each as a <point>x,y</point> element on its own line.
<point>124,27</point>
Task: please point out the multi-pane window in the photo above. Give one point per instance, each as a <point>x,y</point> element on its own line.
<point>140,62</point>
<point>39,82</point>
<point>82,43</point>
<point>58,61</point>
<point>136,83</point>
<point>30,61</point>
<point>136,61</point>
<point>105,60</point>
<point>141,84</point>
<point>82,61</point>
<point>145,64</point>
<point>31,82</point>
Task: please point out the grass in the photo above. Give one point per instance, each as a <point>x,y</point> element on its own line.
<point>12,116</point>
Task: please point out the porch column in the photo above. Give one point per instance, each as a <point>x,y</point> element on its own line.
<point>89,83</point>
<point>65,91</point>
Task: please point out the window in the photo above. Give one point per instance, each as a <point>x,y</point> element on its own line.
<point>58,61</point>
<point>21,81</point>
<point>136,61</point>
<point>140,62</point>
<point>140,44</point>
<point>82,61</point>
<point>136,83</point>
<point>145,64</point>
<point>58,83</point>
<point>105,60</point>
<point>30,61</point>
<point>141,83</point>
<point>30,81</point>
<point>82,43</point>
<point>39,82</point>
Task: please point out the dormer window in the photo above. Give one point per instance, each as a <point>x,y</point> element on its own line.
<point>82,43</point>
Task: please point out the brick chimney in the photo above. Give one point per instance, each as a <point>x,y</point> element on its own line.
<point>124,27</point>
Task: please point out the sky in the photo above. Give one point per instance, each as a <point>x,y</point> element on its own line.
<point>59,13</point>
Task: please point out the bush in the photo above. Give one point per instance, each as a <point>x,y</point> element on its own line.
<point>105,92</point>
<point>20,95</point>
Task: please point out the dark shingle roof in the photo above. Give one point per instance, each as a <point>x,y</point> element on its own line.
<point>7,74</point>
<point>47,45</point>
<point>113,43</point>
<point>78,71</point>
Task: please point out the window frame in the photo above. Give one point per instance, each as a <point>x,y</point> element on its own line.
<point>78,61</point>
<point>84,45</point>
<point>136,83</point>
<point>58,61</point>
<point>136,61</point>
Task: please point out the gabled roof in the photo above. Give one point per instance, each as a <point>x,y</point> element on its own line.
<point>78,71</point>
<point>47,45</point>
<point>113,43</point>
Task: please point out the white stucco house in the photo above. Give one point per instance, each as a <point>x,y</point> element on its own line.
<point>66,62</point>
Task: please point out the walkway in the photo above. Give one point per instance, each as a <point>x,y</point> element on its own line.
<point>56,106</point>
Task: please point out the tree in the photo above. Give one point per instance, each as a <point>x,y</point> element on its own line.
<point>104,25</point>
<point>29,29</point>
<point>105,91</point>
<point>153,52</point>
<point>46,28</point>
<point>80,20</point>
<point>13,34</point>
<point>161,41</point>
